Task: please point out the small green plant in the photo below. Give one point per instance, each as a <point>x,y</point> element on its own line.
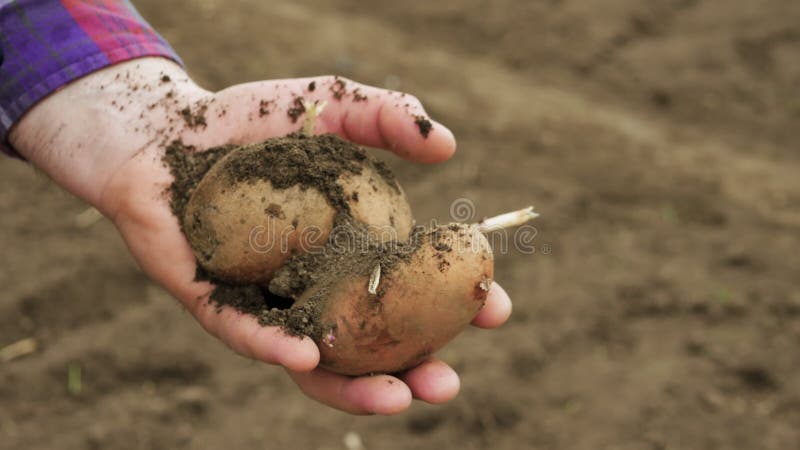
<point>74,379</point>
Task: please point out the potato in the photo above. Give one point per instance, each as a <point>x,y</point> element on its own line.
<point>242,228</point>
<point>261,222</point>
<point>421,304</point>
<point>241,238</point>
<point>383,209</point>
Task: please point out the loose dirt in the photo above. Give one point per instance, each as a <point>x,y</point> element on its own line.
<point>657,306</point>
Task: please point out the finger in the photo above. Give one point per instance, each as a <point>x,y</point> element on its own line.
<point>392,120</point>
<point>496,310</point>
<point>246,336</point>
<point>363,114</point>
<point>379,394</point>
<point>433,381</point>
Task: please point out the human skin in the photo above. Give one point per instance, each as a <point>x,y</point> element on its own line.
<point>102,138</point>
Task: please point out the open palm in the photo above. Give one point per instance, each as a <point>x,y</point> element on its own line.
<point>135,200</point>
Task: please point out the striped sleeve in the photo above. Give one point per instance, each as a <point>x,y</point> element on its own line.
<point>46,44</point>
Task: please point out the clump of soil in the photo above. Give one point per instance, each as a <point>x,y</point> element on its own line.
<point>270,311</point>
<point>312,162</point>
<point>188,166</point>
<point>351,250</point>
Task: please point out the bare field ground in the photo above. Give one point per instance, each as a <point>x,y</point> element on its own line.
<point>659,141</point>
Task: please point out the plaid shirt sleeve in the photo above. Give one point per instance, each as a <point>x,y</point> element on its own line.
<point>45,44</point>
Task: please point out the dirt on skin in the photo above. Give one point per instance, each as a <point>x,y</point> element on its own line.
<point>296,109</point>
<point>316,162</point>
<point>424,125</point>
<point>660,309</point>
<point>195,117</point>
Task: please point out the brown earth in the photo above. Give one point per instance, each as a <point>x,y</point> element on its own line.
<point>660,311</point>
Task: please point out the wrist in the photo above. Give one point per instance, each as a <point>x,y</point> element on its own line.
<point>83,133</point>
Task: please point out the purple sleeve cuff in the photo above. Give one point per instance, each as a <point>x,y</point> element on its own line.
<point>46,44</point>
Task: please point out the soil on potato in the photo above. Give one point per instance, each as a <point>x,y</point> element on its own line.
<point>188,165</point>
<point>657,306</point>
<point>315,162</point>
<point>351,251</point>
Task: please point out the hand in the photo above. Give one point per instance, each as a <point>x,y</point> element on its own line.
<point>102,138</point>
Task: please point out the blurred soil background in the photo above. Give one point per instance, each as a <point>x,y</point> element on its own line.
<point>661,309</point>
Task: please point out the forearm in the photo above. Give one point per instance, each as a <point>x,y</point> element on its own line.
<point>81,134</point>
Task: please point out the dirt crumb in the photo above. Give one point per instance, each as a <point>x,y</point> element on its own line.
<point>358,96</point>
<point>338,88</point>
<point>296,109</point>
<point>264,107</point>
<point>275,210</point>
<point>195,118</point>
<point>424,125</point>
